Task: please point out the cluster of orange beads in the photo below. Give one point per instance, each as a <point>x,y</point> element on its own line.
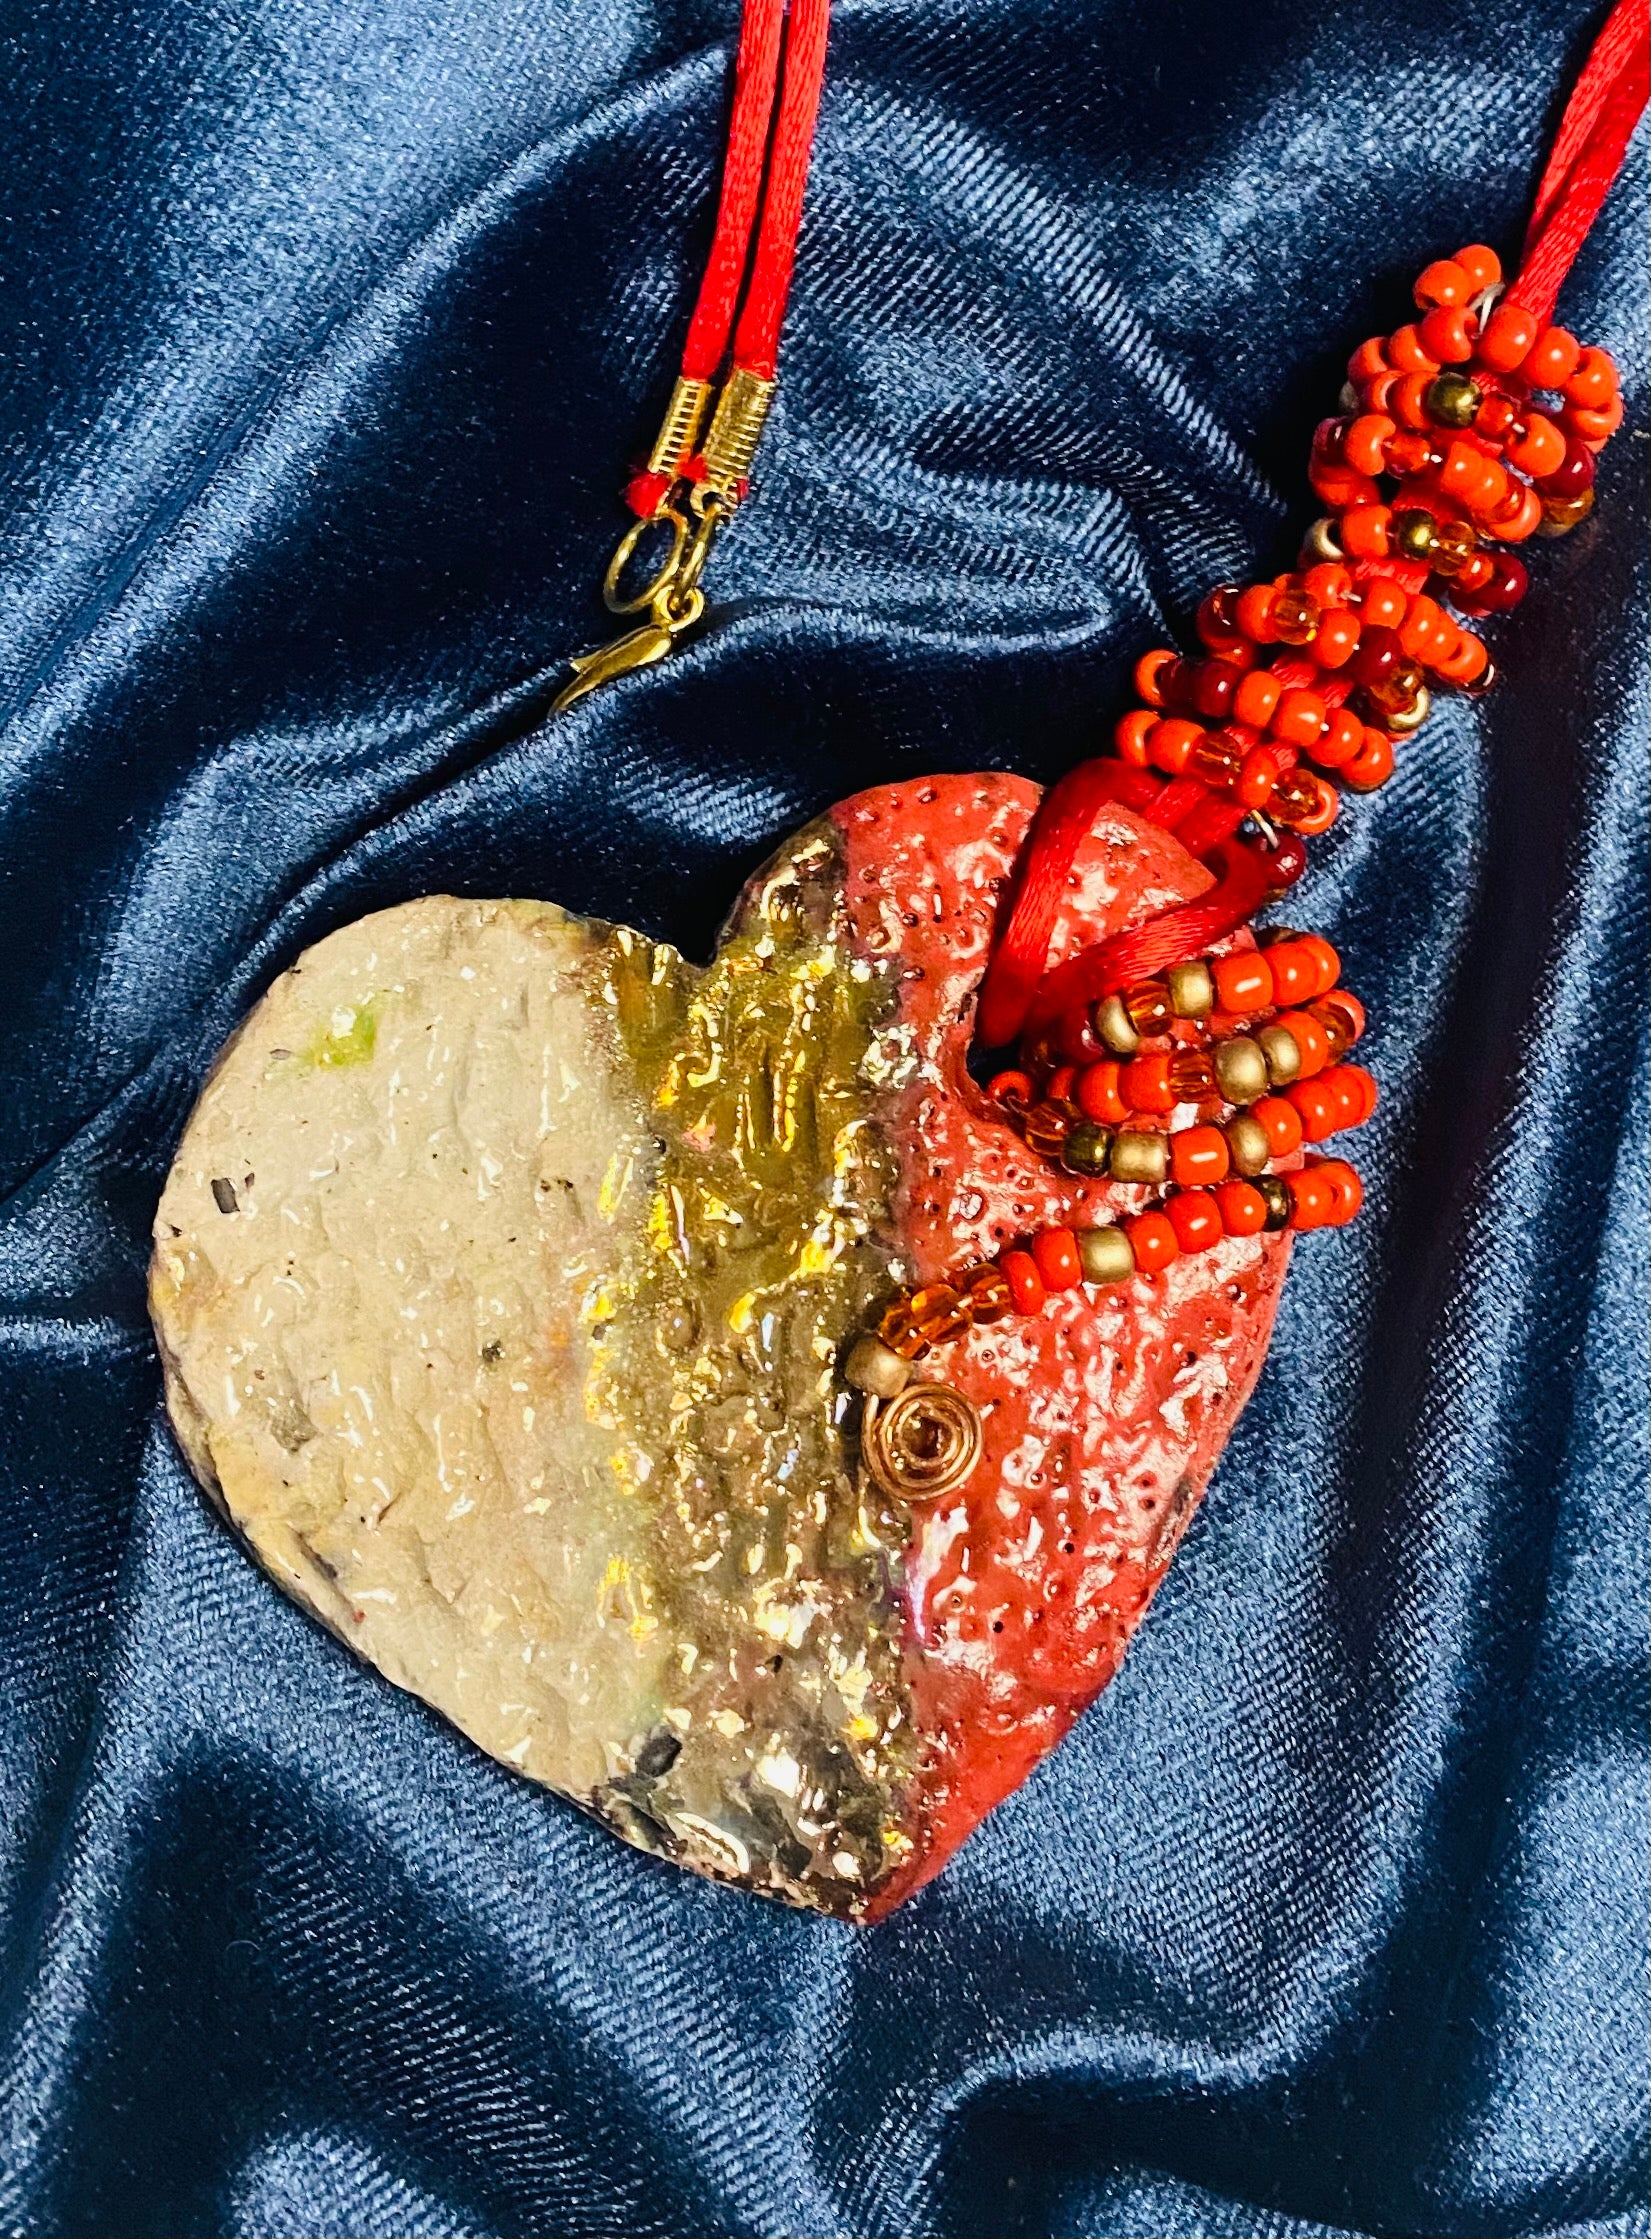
<point>1198,1082</point>
<point>1333,664</point>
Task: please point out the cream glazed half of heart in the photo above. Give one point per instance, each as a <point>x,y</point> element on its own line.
<point>502,1283</point>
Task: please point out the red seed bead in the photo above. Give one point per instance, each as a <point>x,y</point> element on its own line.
<point>1171,743</point>
<point>1372,765</point>
<point>1364,446</point>
<point>1282,1122</point>
<point>1444,282</point>
<point>1357,1078</point>
<point>1343,736</point>
<point>1347,1191</point>
<point>1145,1085</point>
<point>1257,697</point>
<point>1381,651</point>
<point>1364,531</point>
<point>1055,1251</point>
<point>1338,635</point>
<point>1154,1242</point>
<point>1325,957</point>
<point>1025,1283</point>
<point>1255,614</point>
<point>1298,718</point>
<point>1258,773</point>
<point>1213,686</point>
<point>1312,1198</point>
<point>1130,737</point>
<point>1243,984</point>
<point>1149,671</point>
<point>1369,359</point>
<point>1295,971</point>
<point>1061,1083</point>
<point>1507,339</point>
<point>1385,604</point>
<point>1329,584</point>
<point>1483,266</point>
<point>1098,1095</point>
<point>1408,353</point>
<point>1551,359</point>
<point>1592,382</point>
<point>1448,333</point>
<point>1573,475</point>
<point>1077,1041</point>
<point>1011,1088</point>
<point>1539,450</point>
<point>1217,622</point>
<point>1242,1207</point>
<point>1195,1219</point>
<point>1198,1157</point>
<point>1594,424</point>
<point>1319,1107</point>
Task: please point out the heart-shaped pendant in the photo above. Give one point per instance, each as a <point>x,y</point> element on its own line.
<point>503,1281</point>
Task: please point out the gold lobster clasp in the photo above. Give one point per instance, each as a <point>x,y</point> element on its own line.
<point>672,598</point>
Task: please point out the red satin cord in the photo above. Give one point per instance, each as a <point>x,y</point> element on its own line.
<point>756,345</point>
<point>1247,878</point>
<point>1588,152</point>
<point>1016,994</point>
<point>756,76</point>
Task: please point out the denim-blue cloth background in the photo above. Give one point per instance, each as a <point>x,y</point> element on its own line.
<point>326,331</point>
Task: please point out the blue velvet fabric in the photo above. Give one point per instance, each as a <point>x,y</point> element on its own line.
<point>326,331</point>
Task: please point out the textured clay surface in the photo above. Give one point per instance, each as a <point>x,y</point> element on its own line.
<point>501,1283</point>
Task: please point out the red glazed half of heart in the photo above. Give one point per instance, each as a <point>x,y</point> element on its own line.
<point>1104,1415</point>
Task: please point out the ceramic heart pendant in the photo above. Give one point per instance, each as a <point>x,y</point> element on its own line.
<point>503,1283</point>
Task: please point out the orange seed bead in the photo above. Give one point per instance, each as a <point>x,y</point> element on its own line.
<point>1243,983</point>
<point>1507,338</point>
<point>1282,1122</point>
<point>1256,698</point>
<point>1153,1241</point>
<point>1483,266</point>
<point>1198,1156</point>
<point>1130,737</point>
<point>1025,1283</point>
<point>1242,1207</point>
<point>1055,1252</point>
<point>1145,1085</point>
<point>1444,282</point>
<point>1311,1040</point>
<point>1196,1220</point>
<point>1098,1093</point>
<point>1319,1107</point>
<point>1312,1198</point>
<point>1295,971</point>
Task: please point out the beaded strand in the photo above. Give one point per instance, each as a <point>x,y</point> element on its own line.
<point>1303,688</point>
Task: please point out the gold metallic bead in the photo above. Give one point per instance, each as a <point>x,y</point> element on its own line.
<point>1087,1148</point>
<point>922,1444</point>
<point>1278,1200</point>
<point>1240,1068</point>
<point>1452,400</point>
<point>1107,1255</point>
<point>877,1368</point>
<point>1322,542</point>
<point>1191,990</point>
<point>1404,720</point>
<point>1138,1156</point>
<point>1115,1026</point>
<point>1247,1144</point>
<point>1283,1054</point>
<point>1412,530</point>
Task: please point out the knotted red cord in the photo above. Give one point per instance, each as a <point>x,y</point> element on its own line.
<point>770,131</point>
<point>1588,152</point>
<point>1016,994</point>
